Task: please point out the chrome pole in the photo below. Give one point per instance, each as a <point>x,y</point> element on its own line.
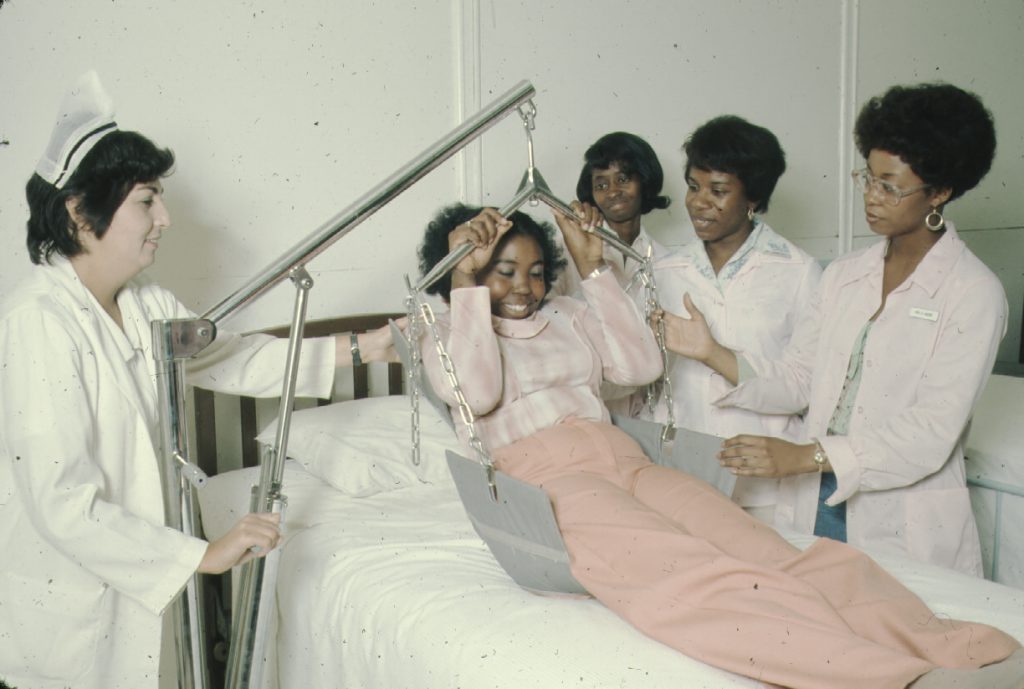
<point>373,200</point>
<point>173,342</point>
<point>253,614</point>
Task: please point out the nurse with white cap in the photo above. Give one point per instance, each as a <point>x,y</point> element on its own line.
<point>89,566</point>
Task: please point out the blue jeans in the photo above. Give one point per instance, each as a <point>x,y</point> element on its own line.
<point>831,521</point>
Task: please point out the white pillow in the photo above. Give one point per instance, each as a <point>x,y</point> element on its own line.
<point>363,447</point>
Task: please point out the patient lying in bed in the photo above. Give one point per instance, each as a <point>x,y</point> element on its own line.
<point>665,551</point>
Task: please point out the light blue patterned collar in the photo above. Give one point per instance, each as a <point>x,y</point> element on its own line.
<point>761,240</point>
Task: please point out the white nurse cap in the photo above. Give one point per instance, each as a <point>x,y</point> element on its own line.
<point>86,115</point>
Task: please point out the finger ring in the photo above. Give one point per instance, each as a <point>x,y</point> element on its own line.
<point>256,549</point>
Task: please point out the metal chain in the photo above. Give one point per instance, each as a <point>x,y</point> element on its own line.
<point>420,312</point>
<point>651,304</point>
<point>453,382</point>
<point>413,376</point>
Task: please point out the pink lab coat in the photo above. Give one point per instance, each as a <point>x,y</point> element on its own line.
<point>901,467</point>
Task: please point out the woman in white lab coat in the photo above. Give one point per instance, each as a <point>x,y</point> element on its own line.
<point>750,283</point>
<point>893,354</point>
<point>89,566</point>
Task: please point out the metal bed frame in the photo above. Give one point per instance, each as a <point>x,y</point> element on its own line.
<point>1001,490</point>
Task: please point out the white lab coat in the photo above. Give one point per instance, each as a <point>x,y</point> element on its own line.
<point>755,310</point>
<point>926,360</point>
<point>89,566</point>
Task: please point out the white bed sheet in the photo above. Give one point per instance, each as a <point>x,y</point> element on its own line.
<point>397,591</point>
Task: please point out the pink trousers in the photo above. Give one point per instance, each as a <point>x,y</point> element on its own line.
<point>688,567</point>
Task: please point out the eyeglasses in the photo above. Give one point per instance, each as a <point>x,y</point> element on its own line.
<point>889,193</point>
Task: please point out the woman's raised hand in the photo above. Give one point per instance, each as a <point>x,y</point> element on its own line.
<point>255,535</point>
<point>483,232</point>
<point>690,337</point>
<point>585,246</point>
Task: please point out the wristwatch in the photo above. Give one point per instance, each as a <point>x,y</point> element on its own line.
<point>357,360</point>
<point>819,456</point>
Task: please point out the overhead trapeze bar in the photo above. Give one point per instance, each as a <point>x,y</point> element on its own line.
<point>373,200</point>
<point>531,189</point>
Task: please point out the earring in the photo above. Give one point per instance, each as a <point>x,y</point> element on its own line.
<point>750,213</point>
<point>934,220</point>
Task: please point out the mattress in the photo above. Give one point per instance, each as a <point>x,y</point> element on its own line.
<point>395,589</point>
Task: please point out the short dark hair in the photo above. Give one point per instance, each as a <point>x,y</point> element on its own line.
<point>731,144</point>
<point>635,157</point>
<point>942,132</point>
<point>435,243</point>
<point>101,183</point>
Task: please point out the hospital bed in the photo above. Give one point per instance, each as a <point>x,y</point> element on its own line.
<point>383,582</point>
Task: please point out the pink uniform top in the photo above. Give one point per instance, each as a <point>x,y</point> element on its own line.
<point>520,376</point>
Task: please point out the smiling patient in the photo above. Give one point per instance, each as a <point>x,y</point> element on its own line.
<point>667,552</point>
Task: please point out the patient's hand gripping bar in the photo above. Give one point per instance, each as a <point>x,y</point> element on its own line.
<point>531,189</point>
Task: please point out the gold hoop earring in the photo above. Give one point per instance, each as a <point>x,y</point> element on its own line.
<point>934,220</point>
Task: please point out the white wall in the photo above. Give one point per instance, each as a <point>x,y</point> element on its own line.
<point>279,118</point>
<point>283,114</point>
<point>665,68</point>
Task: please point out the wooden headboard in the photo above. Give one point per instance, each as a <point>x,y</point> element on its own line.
<point>204,400</point>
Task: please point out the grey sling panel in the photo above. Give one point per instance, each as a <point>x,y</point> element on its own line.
<point>647,434</point>
<point>405,356</point>
<point>519,527</point>
<point>692,452</point>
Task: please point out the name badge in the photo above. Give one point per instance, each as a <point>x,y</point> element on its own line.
<point>924,314</point>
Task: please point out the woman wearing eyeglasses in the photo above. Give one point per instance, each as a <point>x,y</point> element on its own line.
<point>893,353</point>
